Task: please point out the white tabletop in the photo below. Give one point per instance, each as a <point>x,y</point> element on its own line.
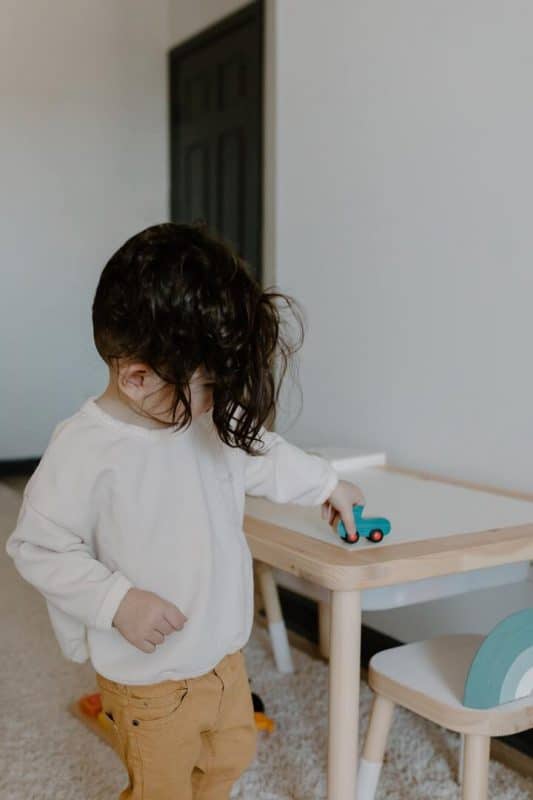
<point>417,509</point>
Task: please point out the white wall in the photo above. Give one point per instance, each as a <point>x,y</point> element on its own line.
<point>189,17</point>
<point>83,160</point>
<point>404,195</point>
<point>84,165</point>
<point>404,188</point>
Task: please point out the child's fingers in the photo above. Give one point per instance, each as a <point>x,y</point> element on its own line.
<point>155,637</point>
<point>347,518</point>
<point>359,498</point>
<point>164,627</point>
<point>173,615</point>
<point>335,520</point>
<point>346,515</point>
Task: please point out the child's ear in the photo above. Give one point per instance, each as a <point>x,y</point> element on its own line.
<point>137,380</point>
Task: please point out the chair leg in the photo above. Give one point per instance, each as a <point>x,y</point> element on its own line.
<point>374,749</point>
<point>276,623</point>
<point>476,767</point>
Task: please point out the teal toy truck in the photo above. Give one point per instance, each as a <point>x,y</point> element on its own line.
<point>372,528</point>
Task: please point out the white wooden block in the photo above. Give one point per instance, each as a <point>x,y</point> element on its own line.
<point>368,779</point>
<point>344,459</point>
<point>280,646</point>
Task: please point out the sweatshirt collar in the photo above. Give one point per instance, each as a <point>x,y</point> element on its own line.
<point>91,408</point>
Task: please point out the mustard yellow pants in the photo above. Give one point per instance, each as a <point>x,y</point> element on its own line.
<point>183,739</point>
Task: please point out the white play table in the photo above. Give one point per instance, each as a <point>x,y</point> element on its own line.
<point>440,528</point>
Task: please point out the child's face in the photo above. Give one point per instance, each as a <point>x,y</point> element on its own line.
<point>148,391</point>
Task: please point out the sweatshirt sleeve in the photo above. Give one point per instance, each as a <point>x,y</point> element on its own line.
<point>286,474</point>
<point>61,565</point>
<point>53,545</point>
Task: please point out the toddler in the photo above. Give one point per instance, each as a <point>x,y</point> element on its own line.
<point>131,525</point>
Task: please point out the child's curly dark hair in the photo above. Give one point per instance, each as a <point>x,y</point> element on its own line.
<point>176,297</point>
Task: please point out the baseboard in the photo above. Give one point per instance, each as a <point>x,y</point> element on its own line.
<point>19,466</point>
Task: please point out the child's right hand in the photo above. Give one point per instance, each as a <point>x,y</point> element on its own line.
<point>144,619</point>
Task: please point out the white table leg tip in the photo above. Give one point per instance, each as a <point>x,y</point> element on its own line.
<point>280,646</point>
<point>368,779</point>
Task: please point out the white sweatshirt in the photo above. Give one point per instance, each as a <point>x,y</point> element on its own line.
<point>113,505</point>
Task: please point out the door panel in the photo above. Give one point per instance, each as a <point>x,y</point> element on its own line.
<point>216,131</point>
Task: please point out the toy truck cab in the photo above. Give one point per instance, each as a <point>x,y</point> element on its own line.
<point>372,528</point>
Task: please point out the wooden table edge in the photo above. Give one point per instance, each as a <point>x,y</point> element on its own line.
<point>341,569</point>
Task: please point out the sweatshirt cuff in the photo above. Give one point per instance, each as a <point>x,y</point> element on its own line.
<point>331,484</point>
<point>112,600</point>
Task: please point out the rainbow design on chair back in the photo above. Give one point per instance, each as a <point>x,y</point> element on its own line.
<point>502,668</point>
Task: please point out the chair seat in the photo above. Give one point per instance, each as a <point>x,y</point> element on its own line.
<point>428,678</point>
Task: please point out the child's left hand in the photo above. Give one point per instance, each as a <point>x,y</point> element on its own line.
<point>339,505</point>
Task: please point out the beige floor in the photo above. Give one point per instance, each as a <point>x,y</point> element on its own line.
<point>45,754</point>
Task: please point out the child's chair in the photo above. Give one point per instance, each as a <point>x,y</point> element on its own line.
<point>474,685</point>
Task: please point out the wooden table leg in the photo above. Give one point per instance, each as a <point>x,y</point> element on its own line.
<point>276,623</point>
<point>344,677</point>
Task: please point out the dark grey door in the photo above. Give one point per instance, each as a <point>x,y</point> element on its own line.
<point>216,130</point>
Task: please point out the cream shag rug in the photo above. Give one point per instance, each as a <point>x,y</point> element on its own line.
<point>47,755</point>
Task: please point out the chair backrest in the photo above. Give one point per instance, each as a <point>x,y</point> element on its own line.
<point>502,668</point>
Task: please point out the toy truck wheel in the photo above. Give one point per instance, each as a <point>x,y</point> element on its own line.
<point>376,535</point>
<point>352,538</point>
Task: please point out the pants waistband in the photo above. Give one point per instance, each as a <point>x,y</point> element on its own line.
<point>224,669</point>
